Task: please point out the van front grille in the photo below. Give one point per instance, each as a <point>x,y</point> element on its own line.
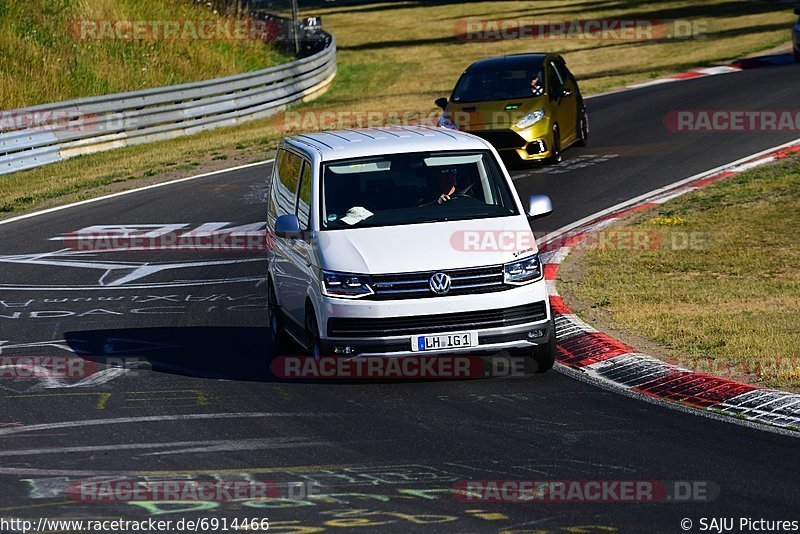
<point>417,285</point>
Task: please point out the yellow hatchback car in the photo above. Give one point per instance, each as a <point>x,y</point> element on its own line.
<point>524,103</point>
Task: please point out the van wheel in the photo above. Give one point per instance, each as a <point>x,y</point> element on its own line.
<point>540,358</point>
<point>555,150</point>
<point>276,327</point>
<point>313,344</point>
<point>582,128</point>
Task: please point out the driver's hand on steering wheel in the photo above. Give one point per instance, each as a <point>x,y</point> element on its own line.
<point>444,197</point>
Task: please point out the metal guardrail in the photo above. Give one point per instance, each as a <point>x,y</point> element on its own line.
<point>54,132</point>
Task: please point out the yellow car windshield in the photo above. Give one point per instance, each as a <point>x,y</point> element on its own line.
<point>484,85</point>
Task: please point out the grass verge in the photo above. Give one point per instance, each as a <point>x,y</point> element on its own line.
<point>714,284</point>
<point>400,56</point>
<point>46,60</point>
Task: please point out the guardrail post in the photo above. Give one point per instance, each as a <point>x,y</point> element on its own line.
<point>295,27</point>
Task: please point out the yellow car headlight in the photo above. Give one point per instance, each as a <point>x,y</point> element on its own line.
<point>530,119</point>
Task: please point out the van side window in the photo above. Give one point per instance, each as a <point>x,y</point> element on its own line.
<point>304,198</point>
<point>288,169</point>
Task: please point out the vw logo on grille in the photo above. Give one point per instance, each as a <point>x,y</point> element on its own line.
<point>439,283</point>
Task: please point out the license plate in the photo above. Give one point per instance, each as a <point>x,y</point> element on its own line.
<point>456,340</point>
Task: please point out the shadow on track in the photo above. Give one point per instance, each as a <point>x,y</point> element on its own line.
<point>232,353</point>
<point>223,353</point>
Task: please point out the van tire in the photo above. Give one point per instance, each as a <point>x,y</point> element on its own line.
<point>545,355</point>
<point>540,358</point>
<point>313,342</point>
<point>277,329</point>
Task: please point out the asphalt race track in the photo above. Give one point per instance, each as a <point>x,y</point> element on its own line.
<point>386,455</point>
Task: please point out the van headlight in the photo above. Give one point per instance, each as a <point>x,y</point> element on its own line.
<point>446,122</point>
<point>345,285</point>
<point>530,119</point>
<point>523,272</point>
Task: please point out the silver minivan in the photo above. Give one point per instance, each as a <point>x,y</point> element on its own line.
<point>404,241</point>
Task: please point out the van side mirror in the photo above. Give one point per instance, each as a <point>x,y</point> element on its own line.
<point>441,102</point>
<point>539,206</point>
<point>287,226</point>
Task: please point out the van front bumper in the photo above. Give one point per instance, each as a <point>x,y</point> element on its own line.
<point>518,318</point>
<point>490,341</point>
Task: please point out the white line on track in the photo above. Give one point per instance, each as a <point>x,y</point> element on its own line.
<point>154,419</point>
<point>183,446</point>
<point>130,191</point>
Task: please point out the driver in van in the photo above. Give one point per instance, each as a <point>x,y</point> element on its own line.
<point>443,183</point>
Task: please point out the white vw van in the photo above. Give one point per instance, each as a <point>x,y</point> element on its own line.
<point>404,241</point>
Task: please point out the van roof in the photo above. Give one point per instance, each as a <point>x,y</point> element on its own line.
<point>361,142</point>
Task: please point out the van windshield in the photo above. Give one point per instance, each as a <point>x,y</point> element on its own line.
<point>413,188</point>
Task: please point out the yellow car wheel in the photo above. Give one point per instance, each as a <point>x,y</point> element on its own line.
<point>555,147</point>
<point>583,128</point>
